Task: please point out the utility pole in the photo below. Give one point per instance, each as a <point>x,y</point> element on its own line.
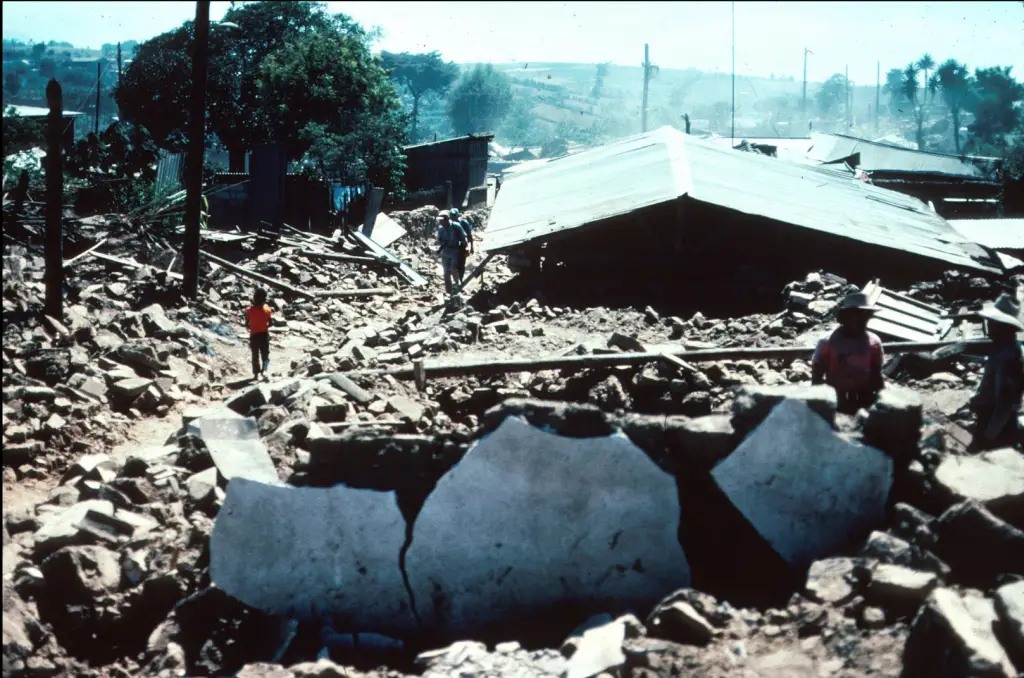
<point>53,249</point>
<point>119,75</point>
<point>878,90</point>
<point>647,79</point>
<point>803,101</point>
<point>96,130</point>
<point>197,137</point>
<point>846,82</point>
<point>732,135</point>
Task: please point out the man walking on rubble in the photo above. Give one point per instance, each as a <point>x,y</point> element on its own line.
<point>467,247</point>
<point>997,403</point>
<point>450,240</point>
<point>850,360</point>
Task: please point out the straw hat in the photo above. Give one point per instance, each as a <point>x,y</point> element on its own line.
<point>857,301</point>
<point>1005,310</point>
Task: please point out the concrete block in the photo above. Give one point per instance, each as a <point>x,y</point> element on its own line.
<point>894,423</point>
<point>529,519</point>
<point>249,399</point>
<point>753,404</point>
<point>1009,600</point>
<point>997,488</point>
<point>803,488</point>
<point>308,553</point>
<point>234,443</point>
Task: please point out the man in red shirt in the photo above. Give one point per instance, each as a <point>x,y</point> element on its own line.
<point>850,360</point>
<point>257,318</point>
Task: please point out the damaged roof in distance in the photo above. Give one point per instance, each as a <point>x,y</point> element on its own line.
<point>876,156</point>
<point>666,164</point>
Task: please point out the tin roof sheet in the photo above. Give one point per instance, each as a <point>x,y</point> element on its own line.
<point>999,234</point>
<point>37,111</point>
<point>879,156</point>
<point>649,169</point>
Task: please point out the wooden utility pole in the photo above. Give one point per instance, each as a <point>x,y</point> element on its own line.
<point>96,129</point>
<point>119,75</point>
<point>803,101</point>
<point>846,82</point>
<point>878,91</point>
<point>647,79</point>
<point>53,250</point>
<point>196,141</point>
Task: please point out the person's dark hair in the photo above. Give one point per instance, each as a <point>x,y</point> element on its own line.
<point>259,297</point>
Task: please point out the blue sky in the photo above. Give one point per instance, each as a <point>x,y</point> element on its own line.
<point>770,36</point>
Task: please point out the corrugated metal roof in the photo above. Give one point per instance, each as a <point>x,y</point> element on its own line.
<point>37,112</point>
<point>448,141</point>
<point>878,156</point>
<point>787,148</point>
<point>999,234</point>
<point>666,164</point>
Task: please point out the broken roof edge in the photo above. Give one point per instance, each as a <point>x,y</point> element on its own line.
<point>488,136</point>
<point>962,157</point>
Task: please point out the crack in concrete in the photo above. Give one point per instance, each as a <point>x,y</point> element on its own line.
<point>409,528</point>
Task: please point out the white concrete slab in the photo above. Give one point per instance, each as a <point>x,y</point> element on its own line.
<point>235,445</point>
<point>308,552</point>
<point>529,519</point>
<point>802,487</point>
<point>386,230</point>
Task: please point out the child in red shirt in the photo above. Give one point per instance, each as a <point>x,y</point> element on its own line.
<point>257,318</point>
<point>850,360</point>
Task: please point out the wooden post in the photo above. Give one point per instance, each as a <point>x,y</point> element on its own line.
<point>373,203</point>
<point>878,91</point>
<point>647,79</point>
<point>448,194</point>
<point>96,129</point>
<point>419,373</point>
<point>197,135</point>
<point>54,255</point>
<point>21,192</point>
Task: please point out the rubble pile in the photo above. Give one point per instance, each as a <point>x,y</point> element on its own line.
<point>112,574</point>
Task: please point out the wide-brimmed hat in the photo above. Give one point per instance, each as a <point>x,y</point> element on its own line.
<point>857,301</point>
<point>1005,310</point>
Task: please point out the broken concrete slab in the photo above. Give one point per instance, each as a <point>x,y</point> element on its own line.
<point>806,490</point>
<point>234,443</point>
<point>679,622</point>
<point>598,649</point>
<point>201,486</point>
<point>349,387</point>
<point>895,586</point>
<point>753,404</point>
<point>1009,604</point>
<point>1007,457</point>
<point>999,489</point>
<point>405,408</point>
<point>60,528</point>
<point>946,639</point>
<point>894,422</point>
<point>313,553</point>
<point>529,519</point>
<point>249,399</point>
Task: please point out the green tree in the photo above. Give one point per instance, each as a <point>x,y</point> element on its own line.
<point>38,51</point>
<point>479,101</point>
<point>520,126</point>
<point>12,83</point>
<point>996,106</point>
<point>832,94</point>
<point>909,88</point>
<point>20,134</point>
<point>48,68</point>
<point>331,103</point>
<point>894,89</point>
<point>602,73</point>
<point>954,82</point>
<point>926,63</point>
<point>420,74</point>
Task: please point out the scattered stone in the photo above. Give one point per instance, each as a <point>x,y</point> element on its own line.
<point>999,489</point>
<point>598,649</point>
<point>831,580</point>
<point>405,408</point>
<point>80,574</point>
<point>1009,604</point>
<point>897,587</point>
<point>201,486</point>
<point>894,423</point>
<point>680,623</point>
<point>978,545</point>
<point>753,404</point>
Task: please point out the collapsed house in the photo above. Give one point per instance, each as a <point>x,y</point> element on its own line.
<point>460,162</point>
<point>666,200</point>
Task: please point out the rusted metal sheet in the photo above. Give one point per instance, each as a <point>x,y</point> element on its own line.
<point>906,319</point>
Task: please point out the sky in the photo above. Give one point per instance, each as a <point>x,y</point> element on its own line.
<point>770,37</point>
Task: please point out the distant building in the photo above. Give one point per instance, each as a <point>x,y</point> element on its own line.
<point>462,161</point>
<point>40,114</point>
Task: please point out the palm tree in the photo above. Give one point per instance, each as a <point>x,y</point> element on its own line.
<point>909,90</point>
<point>933,87</point>
<point>955,84</point>
<point>894,88</point>
<point>926,63</point>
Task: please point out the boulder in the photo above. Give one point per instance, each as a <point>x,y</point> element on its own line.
<point>998,488</point>
<point>307,552</point>
<point>806,490</point>
<point>978,545</point>
<point>753,404</point>
<point>831,580</point>
<point>894,422</point>
<point>898,587</point>
<point>601,529</point>
<point>892,550</point>
<point>249,399</point>
<point>946,639</point>
<point>78,575</point>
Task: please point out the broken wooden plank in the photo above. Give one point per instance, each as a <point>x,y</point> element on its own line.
<point>492,367</point>
<point>276,284</point>
<point>355,259</point>
<point>681,364</point>
<point>403,269</point>
<point>128,263</point>
<point>347,386</point>
<point>478,270</point>
<point>376,422</point>
<point>371,292</point>
<point>84,254</point>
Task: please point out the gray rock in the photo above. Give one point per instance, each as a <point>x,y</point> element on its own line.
<point>60,528</point>
<point>405,408</point>
<point>804,508</point>
<point>627,343</point>
<point>307,552</point>
<point>886,548</point>
<point>947,640</point>
<point>894,586</point>
<point>978,545</point>
<point>249,399</point>
<point>22,632</point>
<point>468,658</point>
<point>598,649</point>
<point>999,489</point>
<point>680,623</point>
<point>1009,604</point>
<point>831,580</point>
<point>1007,458</point>
<point>701,442</point>
<point>139,353</point>
<point>602,526</point>
<point>201,486</point>
<point>894,422</point>
<point>753,404</point>
<point>78,575</point>
<point>130,388</point>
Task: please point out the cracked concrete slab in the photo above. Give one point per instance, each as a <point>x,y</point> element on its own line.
<point>235,445</point>
<point>326,553</point>
<point>530,519</point>
<point>806,490</point>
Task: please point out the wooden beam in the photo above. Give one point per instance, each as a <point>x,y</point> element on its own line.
<point>129,263</point>
<point>355,259</point>
<point>270,282</point>
<point>83,255</point>
<point>371,292</point>
<point>492,367</point>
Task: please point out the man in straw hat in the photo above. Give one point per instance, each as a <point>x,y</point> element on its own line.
<point>997,403</point>
<point>850,360</point>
